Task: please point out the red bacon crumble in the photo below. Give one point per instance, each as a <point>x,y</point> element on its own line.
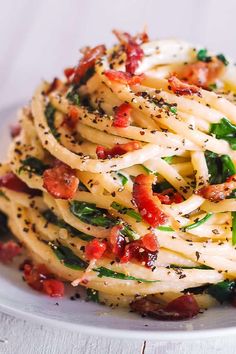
<point>124,78</point>
<point>71,119</point>
<point>8,251</point>
<point>11,181</point>
<point>134,53</point>
<point>60,181</point>
<point>143,250</point>
<point>69,72</point>
<point>39,278</point>
<point>95,249</point>
<point>122,116</point>
<point>15,130</point>
<point>218,192</point>
<point>181,308</point>
<point>88,61</point>
<point>146,201</point>
<point>117,150</point>
<point>202,73</point>
<point>182,88</point>
<point>169,196</point>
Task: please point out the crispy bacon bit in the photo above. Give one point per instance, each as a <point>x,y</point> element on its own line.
<point>202,73</point>
<point>69,72</point>
<point>88,61</point>
<point>53,287</point>
<point>143,250</point>
<point>124,78</point>
<point>182,88</point>
<point>117,150</point>
<point>39,278</point>
<point>169,196</point>
<point>71,119</point>
<point>146,202</point>
<point>122,116</point>
<point>60,181</point>
<point>217,192</point>
<point>55,85</point>
<point>181,308</point>
<point>95,249</point>
<point>117,241</point>
<point>8,251</point>
<point>15,130</point>
<point>134,53</point>
<point>11,181</point>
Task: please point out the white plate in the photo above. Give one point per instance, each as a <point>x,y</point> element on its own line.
<point>18,299</point>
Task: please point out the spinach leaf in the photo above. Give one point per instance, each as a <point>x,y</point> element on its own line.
<point>162,186</point>
<point>90,214</point>
<point>220,167</point>
<point>222,58</point>
<point>223,291</point>
<point>68,258</point>
<point>124,179</point>
<point>50,114</point>
<point>73,97</point>
<point>128,211</point>
<point>202,266</point>
<point>92,295</point>
<point>225,130</point>
<point>33,165</point>
<point>202,55</point>
<point>105,272</point>
<point>233,215</point>
<point>52,218</point>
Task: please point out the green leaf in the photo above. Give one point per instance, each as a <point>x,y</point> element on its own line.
<point>220,167</point>
<point>161,187</point>
<point>197,223</point>
<point>90,214</point>
<point>222,291</point>
<point>202,55</point>
<point>173,109</point>
<point>225,130</point>
<point>104,272</point>
<point>68,258</point>
<point>165,228</point>
<point>92,295</point>
<point>73,97</point>
<point>147,170</point>
<point>124,179</point>
<point>50,113</point>
<point>168,159</point>
<point>52,218</point>
<point>187,267</point>
<point>33,165</point>
<point>233,214</point>
<point>3,224</point>
<point>128,211</point>
<point>222,58</point>
<point>3,195</point>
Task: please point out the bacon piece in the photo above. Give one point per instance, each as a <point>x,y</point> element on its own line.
<point>11,181</point>
<point>117,241</point>
<point>122,116</point>
<point>134,53</point>
<point>217,192</point>
<point>53,287</point>
<point>117,150</point>
<point>60,181</point>
<point>55,85</point>
<point>15,130</point>
<point>169,196</point>
<point>39,278</point>
<point>181,308</point>
<point>69,72</point>
<point>71,119</point>
<point>182,88</point>
<point>124,78</point>
<point>202,73</point>
<point>143,250</point>
<point>146,202</point>
<point>8,251</point>
<point>88,61</point>
<point>95,249</point>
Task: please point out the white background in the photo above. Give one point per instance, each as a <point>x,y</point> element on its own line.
<point>37,40</point>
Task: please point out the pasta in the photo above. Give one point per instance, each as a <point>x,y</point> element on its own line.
<point>121,178</point>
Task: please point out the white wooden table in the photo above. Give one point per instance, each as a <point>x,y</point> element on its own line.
<point>37,40</point>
